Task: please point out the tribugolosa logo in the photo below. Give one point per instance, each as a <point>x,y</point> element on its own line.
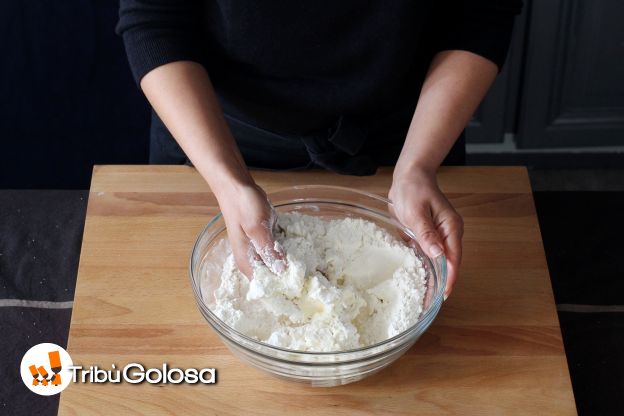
<point>48,369</point>
<point>45,369</point>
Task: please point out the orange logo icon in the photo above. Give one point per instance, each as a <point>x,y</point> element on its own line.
<point>55,366</point>
<point>45,369</point>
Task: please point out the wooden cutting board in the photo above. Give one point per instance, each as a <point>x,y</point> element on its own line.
<point>495,348</point>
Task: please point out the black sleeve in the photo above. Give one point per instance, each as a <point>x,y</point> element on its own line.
<point>480,26</point>
<point>156,32</point>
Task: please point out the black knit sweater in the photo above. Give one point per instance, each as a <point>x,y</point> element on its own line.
<point>296,65</point>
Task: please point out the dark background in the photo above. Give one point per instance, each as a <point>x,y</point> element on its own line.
<point>67,102</point>
<point>563,86</point>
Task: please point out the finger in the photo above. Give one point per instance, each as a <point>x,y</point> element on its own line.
<point>427,236</point>
<point>452,231</point>
<point>406,238</point>
<point>453,258</point>
<point>266,247</point>
<point>241,249</point>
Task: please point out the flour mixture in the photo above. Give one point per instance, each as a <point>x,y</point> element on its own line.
<point>348,284</point>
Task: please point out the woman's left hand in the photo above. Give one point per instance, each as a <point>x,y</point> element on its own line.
<point>419,204</point>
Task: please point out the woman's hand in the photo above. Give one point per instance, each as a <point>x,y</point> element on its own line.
<point>249,218</point>
<point>419,204</point>
<point>183,96</point>
<point>454,86</point>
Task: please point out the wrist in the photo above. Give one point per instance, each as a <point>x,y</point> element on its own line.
<point>414,170</point>
<point>227,178</point>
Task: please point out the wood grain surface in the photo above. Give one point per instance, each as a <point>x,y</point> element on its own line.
<point>495,348</point>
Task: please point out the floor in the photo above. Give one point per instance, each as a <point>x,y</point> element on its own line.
<point>580,218</point>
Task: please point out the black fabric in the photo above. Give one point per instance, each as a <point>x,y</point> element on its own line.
<point>582,234</point>
<point>40,237</point>
<point>40,234</point>
<point>21,329</point>
<point>594,343</point>
<point>164,150</point>
<point>478,26</point>
<point>586,269</point>
<point>263,149</point>
<point>67,97</point>
<point>297,67</point>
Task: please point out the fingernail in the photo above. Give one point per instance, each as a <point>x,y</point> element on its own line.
<point>435,250</point>
<point>279,266</point>
<point>278,247</point>
<point>445,297</point>
<point>252,255</point>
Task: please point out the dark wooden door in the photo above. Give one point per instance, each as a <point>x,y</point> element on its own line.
<point>572,91</point>
<point>497,114</point>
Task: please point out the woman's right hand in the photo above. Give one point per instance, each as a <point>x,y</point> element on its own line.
<point>249,218</point>
<point>183,96</point>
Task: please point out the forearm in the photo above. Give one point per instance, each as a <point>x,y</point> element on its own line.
<point>454,86</point>
<point>183,97</point>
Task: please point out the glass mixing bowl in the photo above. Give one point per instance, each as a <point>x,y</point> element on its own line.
<point>315,368</point>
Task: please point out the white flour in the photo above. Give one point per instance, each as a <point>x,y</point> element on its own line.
<point>348,284</point>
